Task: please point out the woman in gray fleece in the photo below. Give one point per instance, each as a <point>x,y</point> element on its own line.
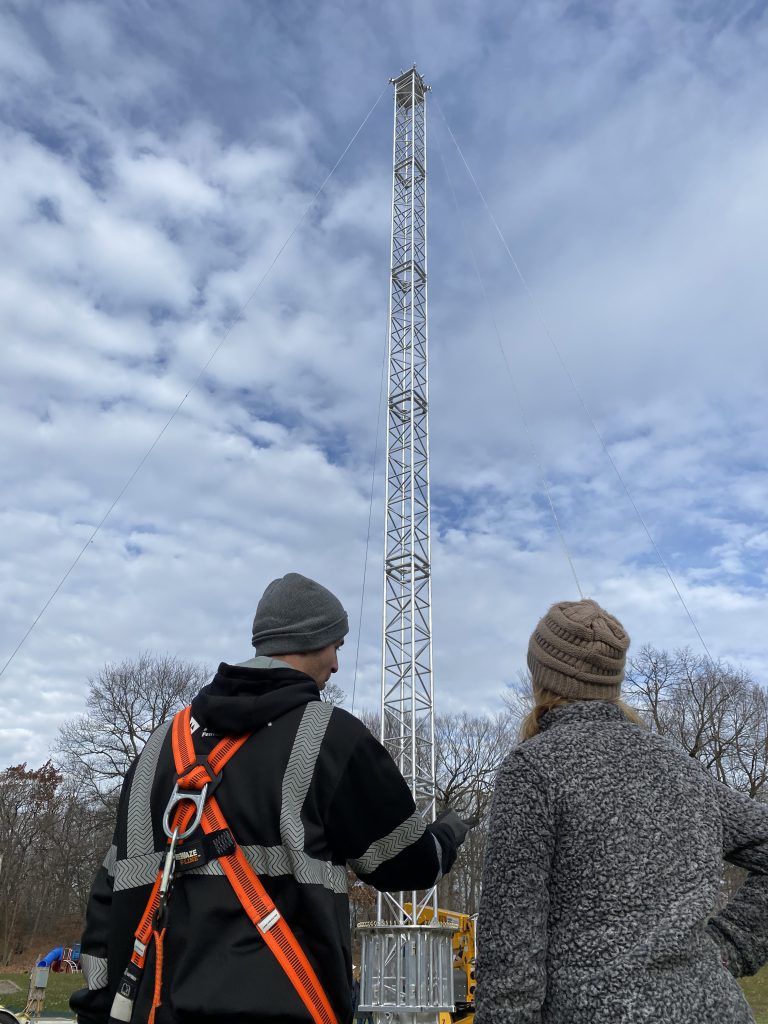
<point>604,857</point>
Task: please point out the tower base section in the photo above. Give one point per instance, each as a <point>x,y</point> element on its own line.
<point>406,973</point>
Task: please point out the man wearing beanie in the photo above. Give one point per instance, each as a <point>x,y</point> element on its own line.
<point>301,619</point>
<point>601,882</point>
<point>309,792</point>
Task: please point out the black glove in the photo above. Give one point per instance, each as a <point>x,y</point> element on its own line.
<point>459,826</point>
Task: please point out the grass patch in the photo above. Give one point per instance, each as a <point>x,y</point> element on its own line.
<point>60,988</point>
<point>756,991</point>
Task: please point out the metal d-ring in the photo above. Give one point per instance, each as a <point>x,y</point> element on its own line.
<point>177,796</point>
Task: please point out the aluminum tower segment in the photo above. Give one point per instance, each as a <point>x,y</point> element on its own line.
<point>407,692</point>
<point>406,967</point>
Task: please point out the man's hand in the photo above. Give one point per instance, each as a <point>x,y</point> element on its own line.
<point>458,826</point>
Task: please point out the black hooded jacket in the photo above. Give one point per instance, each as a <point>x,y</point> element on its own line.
<point>309,793</point>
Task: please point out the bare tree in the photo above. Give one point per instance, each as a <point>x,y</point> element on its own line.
<point>27,811</point>
<point>650,682</point>
<point>518,699</point>
<point>748,766</point>
<point>333,694</point>
<point>717,714</point>
<point>125,704</point>
<point>51,838</point>
<point>469,750</point>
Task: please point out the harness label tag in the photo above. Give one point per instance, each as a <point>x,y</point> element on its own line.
<point>204,849</point>
<point>269,921</point>
<point>129,982</point>
<point>221,843</point>
<point>192,856</point>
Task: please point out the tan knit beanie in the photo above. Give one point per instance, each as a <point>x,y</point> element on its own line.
<point>578,650</point>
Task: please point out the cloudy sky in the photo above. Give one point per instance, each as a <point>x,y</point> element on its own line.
<point>155,158</point>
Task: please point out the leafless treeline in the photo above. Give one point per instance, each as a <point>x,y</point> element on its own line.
<point>56,821</point>
<point>50,841</point>
<point>718,714</point>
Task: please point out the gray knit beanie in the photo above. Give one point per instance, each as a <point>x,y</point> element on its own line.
<point>578,650</point>
<point>295,614</point>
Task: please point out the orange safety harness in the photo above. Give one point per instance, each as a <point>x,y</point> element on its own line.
<point>192,803</point>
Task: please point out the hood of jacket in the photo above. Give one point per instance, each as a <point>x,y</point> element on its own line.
<point>242,699</point>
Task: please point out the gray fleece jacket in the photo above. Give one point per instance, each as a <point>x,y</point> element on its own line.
<point>601,882</point>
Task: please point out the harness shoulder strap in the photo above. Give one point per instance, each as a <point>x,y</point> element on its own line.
<point>253,897</point>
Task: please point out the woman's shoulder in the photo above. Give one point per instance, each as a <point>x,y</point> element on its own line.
<point>559,749</point>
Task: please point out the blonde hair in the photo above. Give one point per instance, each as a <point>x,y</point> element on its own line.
<point>546,700</point>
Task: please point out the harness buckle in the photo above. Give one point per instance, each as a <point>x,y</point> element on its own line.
<point>168,866</point>
<point>166,879</point>
<point>177,796</point>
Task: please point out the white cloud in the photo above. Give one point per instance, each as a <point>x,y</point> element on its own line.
<point>152,173</point>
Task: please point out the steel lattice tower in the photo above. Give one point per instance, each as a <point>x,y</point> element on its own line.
<point>407,959</point>
<point>407,708</point>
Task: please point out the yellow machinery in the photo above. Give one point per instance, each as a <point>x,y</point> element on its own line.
<point>464,952</point>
